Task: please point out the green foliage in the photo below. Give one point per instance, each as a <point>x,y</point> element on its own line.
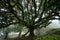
<point>19,26</point>
<point>57,29</point>
<point>27,11</point>
<point>50,37</point>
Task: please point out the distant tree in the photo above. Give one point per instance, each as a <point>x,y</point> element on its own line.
<point>32,13</point>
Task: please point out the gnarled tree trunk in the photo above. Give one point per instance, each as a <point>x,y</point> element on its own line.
<point>6,36</point>
<point>31,35</point>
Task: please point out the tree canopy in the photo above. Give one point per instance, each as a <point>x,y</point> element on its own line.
<point>31,13</point>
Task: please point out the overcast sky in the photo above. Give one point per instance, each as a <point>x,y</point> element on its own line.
<point>54,24</point>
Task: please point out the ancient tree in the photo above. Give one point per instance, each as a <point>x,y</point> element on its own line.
<point>32,13</point>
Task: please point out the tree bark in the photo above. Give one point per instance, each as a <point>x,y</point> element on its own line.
<point>19,33</point>
<point>31,32</point>
<point>26,33</point>
<point>6,36</point>
<point>31,35</point>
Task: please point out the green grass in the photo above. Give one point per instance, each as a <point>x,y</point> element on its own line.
<point>47,37</point>
<point>50,37</point>
<point>55,36</point>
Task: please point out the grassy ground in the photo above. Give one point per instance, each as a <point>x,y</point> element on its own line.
<point>50,37</point>
<point>55,36</point>
<point>47,37</point>
<point>22,38</point>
